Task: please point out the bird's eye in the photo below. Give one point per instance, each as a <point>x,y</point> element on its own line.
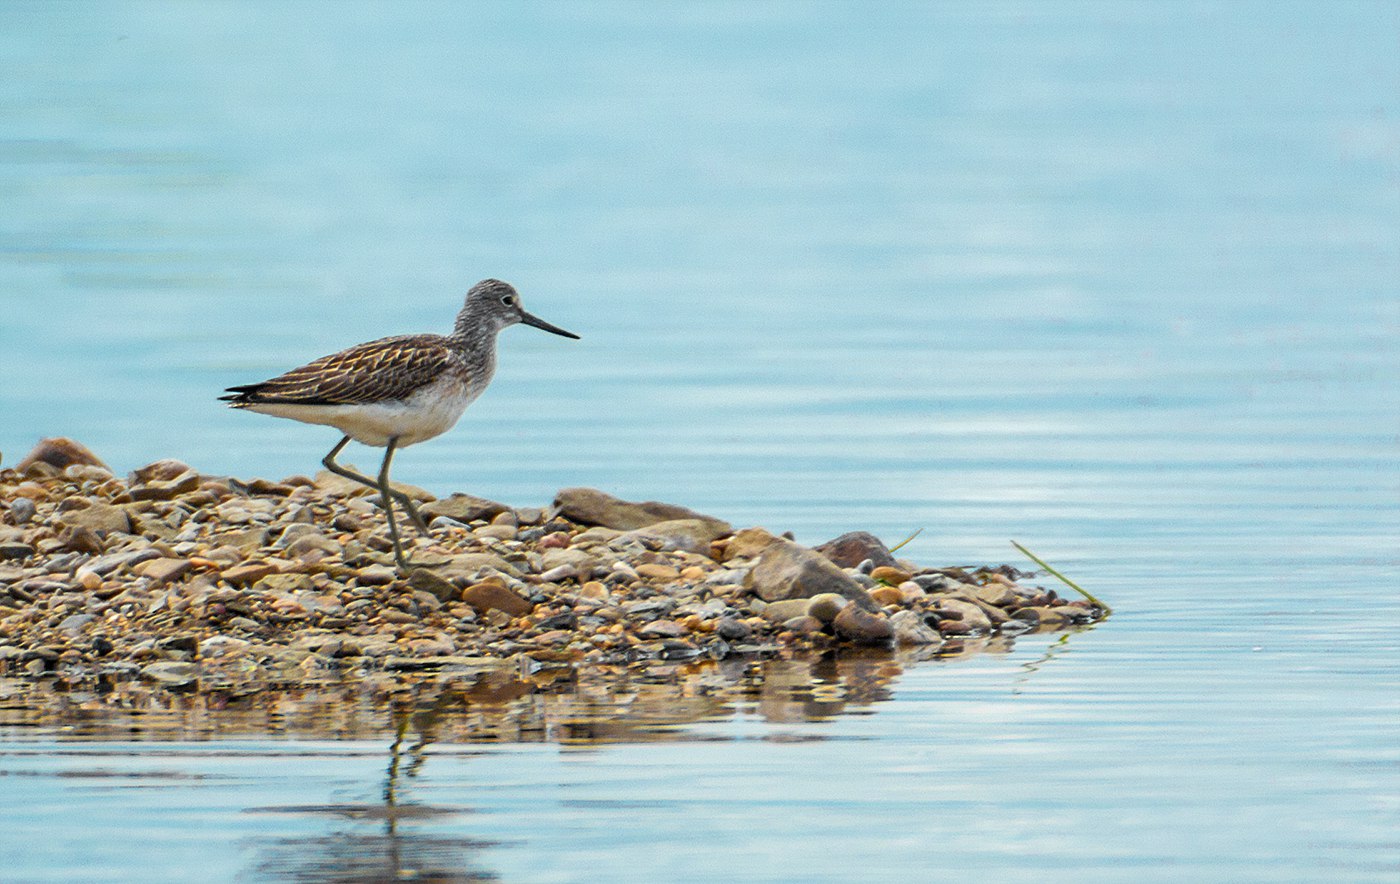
<point>508,300</point>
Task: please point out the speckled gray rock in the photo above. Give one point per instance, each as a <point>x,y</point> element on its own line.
<point>786,570</point>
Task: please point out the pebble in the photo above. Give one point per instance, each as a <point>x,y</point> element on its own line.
<point>857,625</point>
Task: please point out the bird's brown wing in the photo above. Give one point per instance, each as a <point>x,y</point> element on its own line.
<point>384,370</point>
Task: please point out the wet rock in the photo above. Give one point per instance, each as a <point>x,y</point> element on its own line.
<point>171,673</point>
<point>486,597</point>
<point>463,508</point>
<point>969,614</point>
<point>1041,616</point>
<point>910,628</point>
<point>786,570</point>
<point>998,594</point>
<point>852,548</point>
<point>804,625</point>
<point>825,606</point>
<point>787,609</point>
<point>59,453</point>
<point>857,625</point>
<point>589,506</point>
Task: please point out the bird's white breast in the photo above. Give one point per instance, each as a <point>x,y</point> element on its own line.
<point>430,411</point>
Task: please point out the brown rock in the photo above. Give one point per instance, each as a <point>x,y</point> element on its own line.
<point>998,595</point>
<point>589,506</point>
<point>691,535</point>
<point>246,573</point>
<point>887,595</point>
<point>463,508</point>
<point>803,625</point>
<point>60,453</point>
<point>1043,617</point>
<point>862,627</point>
<point>786,570</point>
<point>787,609</point>
<point>493,596</point>
<point>826,606</point>
<point>662,629</point>
<point>441,589</point>
<point>968,614</point>
<point>164,570</point>
<point>160,471</point>
<point>748,543</point>
<point>103,518</point>
<point>889,574</point>
<point>656,571</point>
<point>849,550</point>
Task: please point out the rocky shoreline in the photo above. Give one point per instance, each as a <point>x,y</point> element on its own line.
<point>188,581</point>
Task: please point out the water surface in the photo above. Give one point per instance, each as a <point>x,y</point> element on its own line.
<point>1116,280</point>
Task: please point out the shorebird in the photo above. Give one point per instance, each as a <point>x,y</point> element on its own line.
<point>396,391</point>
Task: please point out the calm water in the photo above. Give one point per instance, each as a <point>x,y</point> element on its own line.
<point>1116,280</point>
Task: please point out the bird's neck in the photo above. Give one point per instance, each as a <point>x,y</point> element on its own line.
<point>473,333</point>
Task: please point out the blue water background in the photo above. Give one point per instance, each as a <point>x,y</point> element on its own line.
<point>1118,280</point>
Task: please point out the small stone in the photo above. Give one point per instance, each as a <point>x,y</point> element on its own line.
<point>748,543</point>
<point>376,575</point>
<point>496,532</point>
<point>826,606</point>
<point>889,574</point>
<point>590,506</point>
<point>804,625</point>
<point>887,595</point>
<point>786,609</point>
<point>594,590</point>
<point>74,623</point>
<point>786,570</point>
<point>653,571</point>
<point>690,535</point>
<point>441,589</point>
<point>1043,617</point>
<point>59,453</point>
<point>967,613</point>
<point>159,471</point>
<point>998,595</point>
<point>284,583</point>
<point>171,673</point>
<point>732,629</point>
<point>486,597</point>
<point>662,629</point>
<point>462,508</point>
<point>849,550</point>
<point>164,570</point>
<point>247,573</point>
<point>15,550</point>
<point>103,518</point>
<point>911,629</point>
<point>22,509</point>
<point>862,627</point>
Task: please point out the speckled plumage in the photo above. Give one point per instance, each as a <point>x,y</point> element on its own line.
<point>396,391</point>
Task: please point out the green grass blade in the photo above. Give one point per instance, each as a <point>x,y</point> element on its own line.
<point>1067,582</point>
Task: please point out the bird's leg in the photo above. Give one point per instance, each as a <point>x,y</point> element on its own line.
<point>330,463</point>
<point>389,505</point>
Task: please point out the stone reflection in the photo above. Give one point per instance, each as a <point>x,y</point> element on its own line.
<point>484,700</point>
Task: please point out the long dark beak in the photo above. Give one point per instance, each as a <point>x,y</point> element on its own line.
<point>529,319</point>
